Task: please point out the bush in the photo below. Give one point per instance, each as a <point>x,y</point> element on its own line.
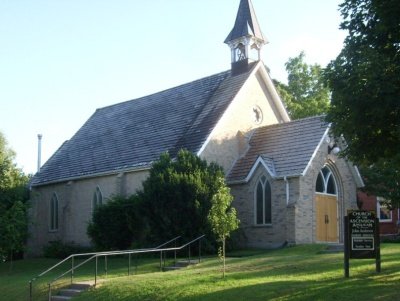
<point>393,238</point>
<point>57,249</point>
<point>116,225</point>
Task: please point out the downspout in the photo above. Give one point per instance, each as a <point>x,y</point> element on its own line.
<point>287,189</point>
<point>288,241</point>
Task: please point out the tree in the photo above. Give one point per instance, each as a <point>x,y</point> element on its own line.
<point>222,218</point>
<point>382,179</point>
<point>365,83</point>
<point>176,197</point>
<point>13,229</point>
<point>13,204</point>
<point>306,93</point>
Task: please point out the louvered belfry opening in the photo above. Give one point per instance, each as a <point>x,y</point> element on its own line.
<point>245,39</point>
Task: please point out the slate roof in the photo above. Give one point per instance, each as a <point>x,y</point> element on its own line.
<point>285,148</point>
<point>133,134</point>
<point>246,23</point>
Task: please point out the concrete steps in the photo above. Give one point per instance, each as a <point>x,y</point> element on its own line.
<point>180,265</point>
<point>71,291</point>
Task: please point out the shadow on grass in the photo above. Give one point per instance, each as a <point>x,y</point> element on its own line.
<point>290,274</point>
<point>338,289</point>
<point>319,277</point>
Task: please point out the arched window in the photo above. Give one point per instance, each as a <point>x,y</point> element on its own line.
<point>326,182</point>
<point>97,198</point>
<point>240,52</point>
<point>53,222</point>
<point>263,204</point>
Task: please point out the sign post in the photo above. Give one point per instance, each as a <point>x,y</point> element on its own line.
<point>361,238</point>
<point>346,248</point>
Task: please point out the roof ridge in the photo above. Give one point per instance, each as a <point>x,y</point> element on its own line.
<point>281,142</point>
<point>293,121</point>
<point>214,94</point>
<point>165,90</point>
<point>194,120</point>
<point>138,131</point>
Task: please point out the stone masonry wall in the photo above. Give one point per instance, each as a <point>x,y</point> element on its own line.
<point>223,146</point>
<point>266,235</point>
<point>305,205</point>
<point>75,207</point>
<point>293,220</point>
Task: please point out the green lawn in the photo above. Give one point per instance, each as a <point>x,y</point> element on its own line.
<point>14,284</point>
<point>297,273</point>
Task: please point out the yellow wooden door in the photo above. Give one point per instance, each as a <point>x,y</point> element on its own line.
<point>326,214</point>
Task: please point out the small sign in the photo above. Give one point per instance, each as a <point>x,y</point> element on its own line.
<point>362,230</point>
<point>362,243</point>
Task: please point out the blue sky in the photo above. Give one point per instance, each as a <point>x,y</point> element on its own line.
<point>62,59</point>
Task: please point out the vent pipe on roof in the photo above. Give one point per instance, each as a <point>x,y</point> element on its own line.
<point>39,152</point>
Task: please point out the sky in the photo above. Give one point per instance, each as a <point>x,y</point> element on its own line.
<point>60,60</point>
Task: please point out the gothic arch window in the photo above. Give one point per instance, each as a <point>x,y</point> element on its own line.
<point>53,220</point>
<point>262,202</point>
<point>97,198</point>
<point>326,182</point>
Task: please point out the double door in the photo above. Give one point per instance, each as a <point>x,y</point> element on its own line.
<point>327,218</point>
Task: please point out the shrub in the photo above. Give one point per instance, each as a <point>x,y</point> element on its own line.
<point>60,250</point>
<point>116,225</point>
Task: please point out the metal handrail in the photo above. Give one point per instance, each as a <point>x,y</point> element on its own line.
<point>72,269</point>
<point>194,240</point>
<point>111,253</point>
<point>168,242</point>
<point>127,252</point>
<point>95,255</point>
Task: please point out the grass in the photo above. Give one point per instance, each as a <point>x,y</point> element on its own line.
<point>296,273</point>
<point>14,284</point>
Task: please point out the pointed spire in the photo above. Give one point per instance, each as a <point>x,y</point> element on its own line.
<point>245,39</point>
<point>246,24</point>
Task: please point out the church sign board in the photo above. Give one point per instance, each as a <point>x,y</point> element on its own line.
<point>361,237</point>
<point>362,234</point>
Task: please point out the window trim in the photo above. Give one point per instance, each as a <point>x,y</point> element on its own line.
<point>97,198</point>
<point>54,213</point>
<point>263,181</point>
<point>378,210</point>
<point>325,179</point>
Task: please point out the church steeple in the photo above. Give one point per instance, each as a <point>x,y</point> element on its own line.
<point>245,39</point>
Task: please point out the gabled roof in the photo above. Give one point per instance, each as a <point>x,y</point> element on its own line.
<point>285,149</point>
<point>246,23</point>
<point>269,163</point>
<point>131,135</point>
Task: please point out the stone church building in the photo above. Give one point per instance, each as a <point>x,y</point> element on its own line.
<point>288,182</point>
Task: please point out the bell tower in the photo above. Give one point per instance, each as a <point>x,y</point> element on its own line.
<point>245,39</point>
